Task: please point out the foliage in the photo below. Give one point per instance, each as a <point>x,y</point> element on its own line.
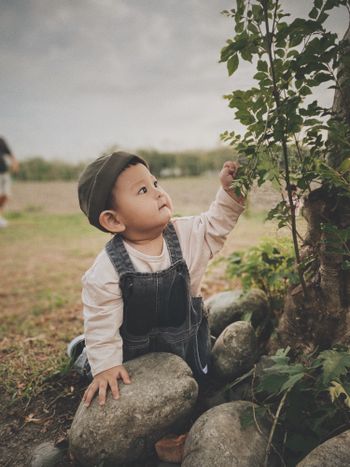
<point>288,134</point>
<point>292,59</point>
<point>185,163</point>
<point>268,266</point>
<point>162,164</point>
<point>314,391</point>
<point>37,168</point>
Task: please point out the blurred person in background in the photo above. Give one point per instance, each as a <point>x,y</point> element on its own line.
<point>8,164</point>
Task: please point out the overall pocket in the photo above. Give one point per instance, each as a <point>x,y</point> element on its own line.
<point>176,343</point>
<point>135,346</point>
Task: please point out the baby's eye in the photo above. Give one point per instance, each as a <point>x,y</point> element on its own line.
<point>156,183</point>
<point>142,190</point>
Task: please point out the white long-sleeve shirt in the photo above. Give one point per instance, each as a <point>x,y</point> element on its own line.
<point>200,238</point>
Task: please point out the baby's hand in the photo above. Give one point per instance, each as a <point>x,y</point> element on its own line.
<point>227,175</point>
<point>101,382</point>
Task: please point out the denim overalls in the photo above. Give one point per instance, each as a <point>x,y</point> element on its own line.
<point>159,313</point>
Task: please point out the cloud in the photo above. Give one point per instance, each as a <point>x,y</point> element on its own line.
<point>81,75</point>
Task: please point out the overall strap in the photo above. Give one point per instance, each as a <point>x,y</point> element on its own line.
<point>173,243</point>
<point>119,256</point>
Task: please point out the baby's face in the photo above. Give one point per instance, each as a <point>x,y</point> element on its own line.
<point>142,205</point>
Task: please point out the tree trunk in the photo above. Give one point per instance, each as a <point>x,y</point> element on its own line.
<point>324,319</point>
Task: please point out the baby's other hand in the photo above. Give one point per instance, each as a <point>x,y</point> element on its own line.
<point>101,382</point>
<point>227,175</point>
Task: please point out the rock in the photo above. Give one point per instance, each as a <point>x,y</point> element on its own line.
<point>334,452</point>
<point>217,440</point>
<point>227,307</point>
<point>235,351</point>
<point>222,309</point>
<point>46,455</point>
<point>158,401</point>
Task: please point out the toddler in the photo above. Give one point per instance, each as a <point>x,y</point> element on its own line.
<point>141,293</point>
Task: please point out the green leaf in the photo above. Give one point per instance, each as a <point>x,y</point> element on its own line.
<point>335,364</point>
<point>292,381</point>
<point>322,77</point>
<point>262,66</point>
<point>305,91</point>
<point>292,53</point>
<point>240,7</point>
<point>239,27</point>
<point>313,13</point>
<point>260,75</point>
<point>232,64</point>
<point>247,55</point>
<point>291,369</point>
<point>257,11</point>
<point>280,52</point>
<point>272,383</point>
<point>345,165</point>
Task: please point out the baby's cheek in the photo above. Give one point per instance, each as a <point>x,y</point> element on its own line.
<point>169,201</point>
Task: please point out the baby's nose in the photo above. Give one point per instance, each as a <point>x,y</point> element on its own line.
<point>158,191</point>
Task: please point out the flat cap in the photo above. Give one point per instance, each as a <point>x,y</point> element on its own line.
<point>97,180</point>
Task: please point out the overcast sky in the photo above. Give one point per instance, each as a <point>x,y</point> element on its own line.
<point>78,76</point>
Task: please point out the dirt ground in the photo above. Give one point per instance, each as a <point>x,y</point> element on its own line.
<point>25,424</point>
<point>46,416</point>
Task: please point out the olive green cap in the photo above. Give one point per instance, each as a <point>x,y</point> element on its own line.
<point>97,180</point>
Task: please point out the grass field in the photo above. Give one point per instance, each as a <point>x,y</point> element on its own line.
<point>44,252</point>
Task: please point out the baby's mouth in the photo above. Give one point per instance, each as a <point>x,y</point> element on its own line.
<point>164,205</point>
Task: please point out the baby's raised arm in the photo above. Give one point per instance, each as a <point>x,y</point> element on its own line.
<point>203,236</point>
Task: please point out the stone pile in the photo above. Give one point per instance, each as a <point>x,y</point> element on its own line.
<point>162,399</point>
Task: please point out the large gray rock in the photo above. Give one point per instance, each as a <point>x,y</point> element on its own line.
<point>218,440</point>
<point>227,307</point>
<point>235,351</point>
<point>334,452</point>
<point>159,400</point>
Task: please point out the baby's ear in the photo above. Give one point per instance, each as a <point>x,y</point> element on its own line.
<point>110,221</point>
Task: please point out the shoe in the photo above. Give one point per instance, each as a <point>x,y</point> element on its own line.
<point>3,223</point>
<point>76,350</point>
<point>82,365</point>
<point>76,346</point>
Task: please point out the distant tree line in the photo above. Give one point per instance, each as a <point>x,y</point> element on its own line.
<point>162,164</point>
<point>39,169</point>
